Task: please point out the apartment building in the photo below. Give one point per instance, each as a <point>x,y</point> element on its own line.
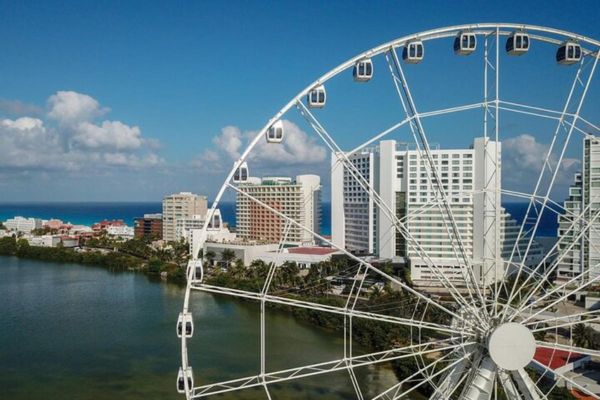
<point>584,197</point>
<point>298,199</point>
<point>22,224</point>
<point>177,207</point>
<point>402,177</point>
<point>149,226</point>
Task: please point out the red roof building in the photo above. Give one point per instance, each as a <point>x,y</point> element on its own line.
<point>314,250</point>
<point>103,225</point>
<point>560,361</point>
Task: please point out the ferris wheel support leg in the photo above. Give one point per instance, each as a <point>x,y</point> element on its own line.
<point>526,386</point>
<point>557,168</point>
<point>430,378</point>
<point>355,383</point>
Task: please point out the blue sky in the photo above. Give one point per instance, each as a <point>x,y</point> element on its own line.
<point>169,76</point>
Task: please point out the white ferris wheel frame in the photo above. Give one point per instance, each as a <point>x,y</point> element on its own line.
<point>491,105</point>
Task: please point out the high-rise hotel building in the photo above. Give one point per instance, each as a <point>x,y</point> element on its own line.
<point>177,207</point>
<point>298,199</point>
<point>583,254</point>
<point>402,178</point>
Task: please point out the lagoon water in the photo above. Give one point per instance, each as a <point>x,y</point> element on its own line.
<point>78,332</point>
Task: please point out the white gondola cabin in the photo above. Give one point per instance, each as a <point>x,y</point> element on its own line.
<point>568,53</point>
<point>185,325</point>
<point>363,70</point>
<point>317,97</point>
<point>241,174</point>
<point>182,376</point>
<point>275,132</point>
<point>413,52</point>
<point>517,43</point>
<point>465,43</point>
<point>214,223</point>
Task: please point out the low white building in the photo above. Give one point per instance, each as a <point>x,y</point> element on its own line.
<point>75,229</point>
<point>216,231</point>
<point>22,224</point>
<point>123,232</point>
<point>245,251</point>
<point>44,241</point>
<point>52,241</point>
<point>185,226</point>
<point>303,256</point>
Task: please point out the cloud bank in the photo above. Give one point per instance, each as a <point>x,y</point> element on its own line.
<point>70,136</point>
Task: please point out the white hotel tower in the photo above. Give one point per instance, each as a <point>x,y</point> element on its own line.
<point>584,194</point>
<point>402,179</point>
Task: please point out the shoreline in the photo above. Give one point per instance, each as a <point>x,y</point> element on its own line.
<point>112,260</point>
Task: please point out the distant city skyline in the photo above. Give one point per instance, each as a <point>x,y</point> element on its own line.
<point>134,101</point>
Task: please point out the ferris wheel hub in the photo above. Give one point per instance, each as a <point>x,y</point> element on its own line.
<point>511,346</point>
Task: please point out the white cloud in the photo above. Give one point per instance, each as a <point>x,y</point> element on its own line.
<point>70,140</point>
<point>297,148</point>
<point>229,141</point>
<point>524,156</point>
<point>71,108</point>
<point>109,134</point>
<point>16,107</point>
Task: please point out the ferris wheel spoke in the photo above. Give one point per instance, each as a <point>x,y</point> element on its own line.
<point>567,324</point>
<point>566,379</point>
<point>569,348</point>
<point>555,172</point>
<point>390,278</point>
<point>559,319</point>
<point>418,131</point>
<point>408,120</point>
<point>545,164</point>
<point>269,378</point>
<point>549,270</point>
<point>563,294</point>
<point>367,187</point>
<point>330,309</point>
<point>385,208</point>
<point>552,267</point>
<point>554,206</point>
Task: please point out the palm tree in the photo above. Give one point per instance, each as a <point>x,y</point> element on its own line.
<point>583,336</point>
<point>227,256</point>
<point>210,257</point>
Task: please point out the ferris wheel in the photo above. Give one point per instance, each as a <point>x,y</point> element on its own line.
<point>498,310</point>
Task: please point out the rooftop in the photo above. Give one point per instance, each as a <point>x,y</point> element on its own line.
<point>555,358</point>
<point>315,250</point>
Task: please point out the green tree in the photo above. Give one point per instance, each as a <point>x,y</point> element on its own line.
<point>22,248</point>
<point>155,266</point>
<point>8,246</point>
<point>210,257</point>
<point>227,256</point>
<point>584,336</point>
